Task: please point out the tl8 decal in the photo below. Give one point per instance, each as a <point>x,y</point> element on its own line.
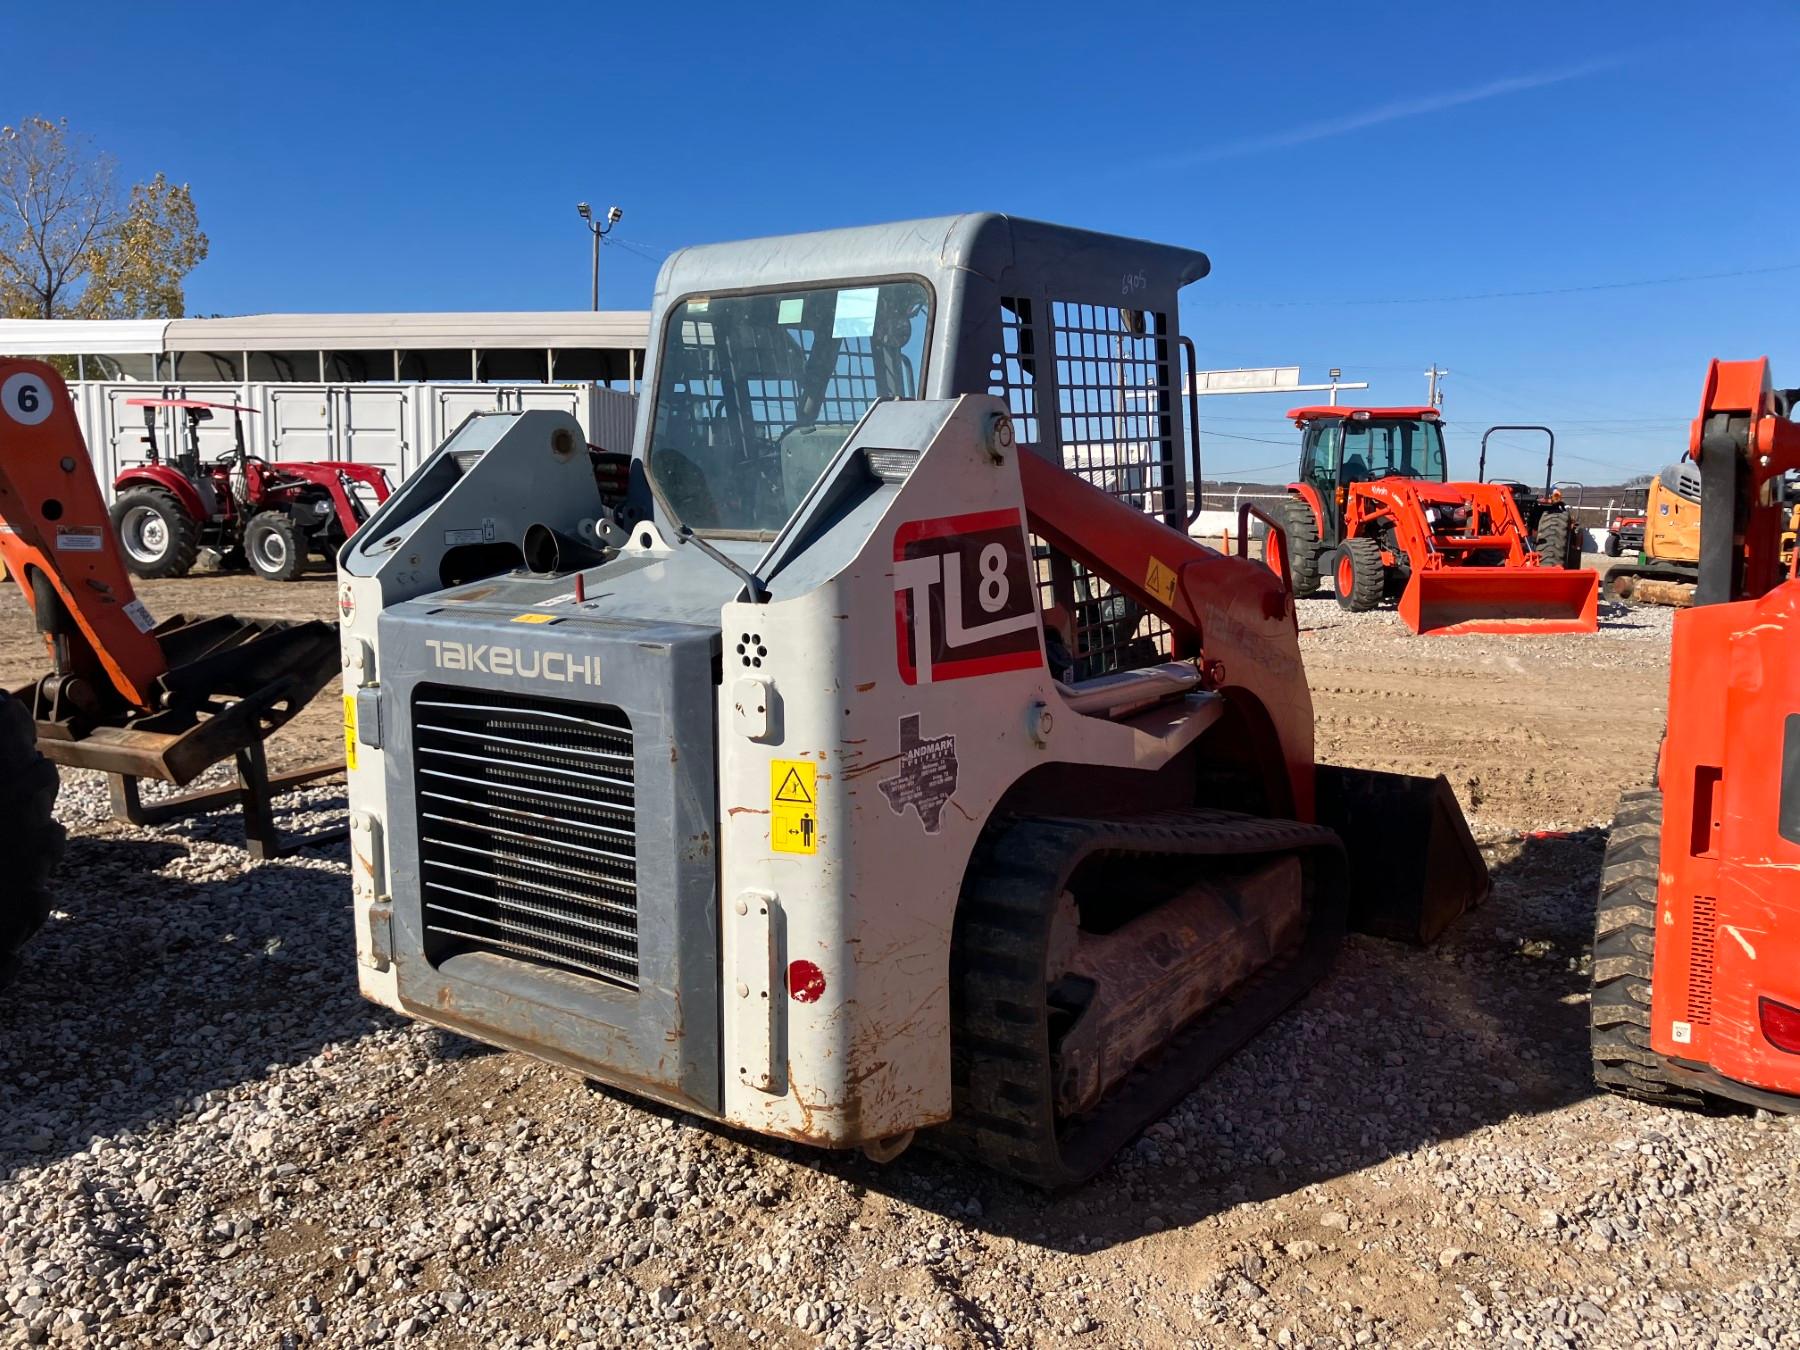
<point>964,599</point>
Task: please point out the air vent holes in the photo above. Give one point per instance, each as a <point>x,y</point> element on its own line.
<point>751,650</point>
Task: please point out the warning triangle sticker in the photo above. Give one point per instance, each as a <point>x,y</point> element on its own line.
<point>793,791</point>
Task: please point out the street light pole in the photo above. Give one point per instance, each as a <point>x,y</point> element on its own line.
<point>599,232</point>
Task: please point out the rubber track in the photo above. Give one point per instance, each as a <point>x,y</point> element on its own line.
<point>1004,1113</point>
<point>31,841</point>
<point>1624,950</point>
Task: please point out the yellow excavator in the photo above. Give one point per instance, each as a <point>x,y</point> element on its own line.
<point>1669,564</point>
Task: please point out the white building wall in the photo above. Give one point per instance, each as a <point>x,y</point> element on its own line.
<point>396,426</point>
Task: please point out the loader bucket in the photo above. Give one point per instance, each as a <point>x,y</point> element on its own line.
<point>1502,600</point>
<point>1413,863</point>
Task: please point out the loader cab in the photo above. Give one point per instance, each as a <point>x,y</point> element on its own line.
<point>757,391</point>
<point>1341,446</point>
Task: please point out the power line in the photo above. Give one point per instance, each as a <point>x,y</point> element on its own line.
<point>1678,280</point>
<point>1232,436</point>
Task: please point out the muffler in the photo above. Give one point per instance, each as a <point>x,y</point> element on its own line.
<point>548,550</point>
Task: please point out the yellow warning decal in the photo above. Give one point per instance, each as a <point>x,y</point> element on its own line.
<point>534,618</point>
<point>793,806</point>
<point>1160,581</point>
<point>349,731</point>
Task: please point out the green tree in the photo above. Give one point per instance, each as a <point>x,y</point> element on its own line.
<point>72,245</point>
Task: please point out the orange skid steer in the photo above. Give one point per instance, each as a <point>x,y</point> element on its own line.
<point>126,695</point>
<point>1373,505</point>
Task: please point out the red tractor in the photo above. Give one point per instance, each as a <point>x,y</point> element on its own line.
<point>1375,510</point>
<point>267,515</point>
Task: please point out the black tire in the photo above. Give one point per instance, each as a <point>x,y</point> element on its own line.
<point>1302,531</point>
<point>1612,544</point>
<point>30,838</point>
<point>1624,955</point>
<point>1555,538</point>
<point>157,537</point>
<point>1359,563</point>
<point>275,546</point>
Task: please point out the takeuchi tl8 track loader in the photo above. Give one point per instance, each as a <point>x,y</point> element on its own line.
<point>860,770</point>
<point>1374,510</point>
<point>1696,983</point>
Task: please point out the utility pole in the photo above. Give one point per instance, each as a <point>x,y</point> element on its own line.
<point>1336,375</point>
<point>599,231</point>
<point>1434,396</point>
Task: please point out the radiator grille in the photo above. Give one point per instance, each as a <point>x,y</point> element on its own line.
<point>1700,961</point>
<point>527,830</point>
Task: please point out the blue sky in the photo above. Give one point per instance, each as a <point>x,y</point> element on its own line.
<point>1351,169</point>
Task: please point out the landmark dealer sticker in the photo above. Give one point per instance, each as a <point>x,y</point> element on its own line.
<point>927,777</point>
<point>793,806</point>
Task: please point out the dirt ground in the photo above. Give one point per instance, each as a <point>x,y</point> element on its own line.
<point>1414,1155</point>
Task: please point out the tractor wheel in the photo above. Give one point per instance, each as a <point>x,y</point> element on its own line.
<point>157,537</point>
<point>1555,538</point>
<point>1624,952</point>
<point>29,834</point>
<point>1612,544</point>
<point>275,546</point>
<point>1303,545</point>
<point>1361,575</point>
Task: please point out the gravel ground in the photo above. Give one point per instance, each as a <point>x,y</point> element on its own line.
<point>207,1138</point>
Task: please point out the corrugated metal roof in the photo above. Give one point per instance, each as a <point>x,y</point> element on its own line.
<point>87,337</point>
<point>380,332</point>
<point>559,329</point>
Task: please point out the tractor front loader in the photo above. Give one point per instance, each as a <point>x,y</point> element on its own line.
<point>866,772</point>
<point>1374,507</point>
<point>126,695</point>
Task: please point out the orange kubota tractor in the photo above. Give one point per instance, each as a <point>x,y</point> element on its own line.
<point>1373,507</point>
<point>1696,980</point>
<point>125,695</point>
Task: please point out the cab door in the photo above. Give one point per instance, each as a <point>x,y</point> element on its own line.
<point>1319,451</point>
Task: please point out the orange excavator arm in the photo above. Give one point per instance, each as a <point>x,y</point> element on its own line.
<point>58,545</point>
<point>1744,441</point>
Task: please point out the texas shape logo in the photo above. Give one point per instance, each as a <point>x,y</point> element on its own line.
<point>926,778</point>
<point>964,602</point>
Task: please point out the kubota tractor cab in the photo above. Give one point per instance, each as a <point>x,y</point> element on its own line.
<point>268,515</point>
<point>1374,507</point>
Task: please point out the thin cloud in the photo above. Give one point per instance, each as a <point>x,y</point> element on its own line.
<point>1394,112</point>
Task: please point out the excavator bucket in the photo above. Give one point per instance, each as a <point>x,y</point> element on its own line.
<point>1502,600</point>
<point>1414,865</point>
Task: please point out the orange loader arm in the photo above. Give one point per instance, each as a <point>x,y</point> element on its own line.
<point>58,544</point>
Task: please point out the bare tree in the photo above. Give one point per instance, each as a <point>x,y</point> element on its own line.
<point>73,246</point>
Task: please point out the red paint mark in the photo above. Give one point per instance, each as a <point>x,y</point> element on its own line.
<point>806,982</point>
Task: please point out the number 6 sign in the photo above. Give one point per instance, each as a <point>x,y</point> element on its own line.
<point>25,399</point>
